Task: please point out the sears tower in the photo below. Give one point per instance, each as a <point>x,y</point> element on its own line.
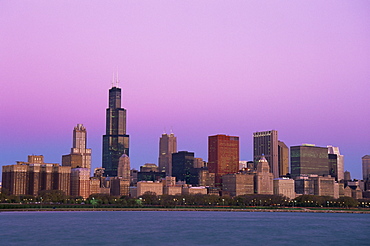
<point>115,140</point>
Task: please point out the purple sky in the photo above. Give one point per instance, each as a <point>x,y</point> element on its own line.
<point>200,67</point>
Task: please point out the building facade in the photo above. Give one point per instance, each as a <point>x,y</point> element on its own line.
<point>223,156</point>
<point>284,187</point>
<point>80,156</point>
<point>263,182</point>
<point>266,144</point>
<point>338,171</point>
<point>309,159</point>
<point>167,146</point>
<point>183,166</point>
<point>283,159</point>
<point>155,188</point>
<point>366,167</point>
<point>238,184</point>
<point>317,185</point>
<point>80,182</point>
<point>123,169</point>
<point>115,140</point>
<point>29,178</point>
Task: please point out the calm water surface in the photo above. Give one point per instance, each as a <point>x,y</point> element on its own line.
<point>183,228</point>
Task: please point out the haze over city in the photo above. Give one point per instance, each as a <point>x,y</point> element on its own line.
<point>198,68</point>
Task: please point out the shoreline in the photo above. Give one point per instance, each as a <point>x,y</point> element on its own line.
<point>300,210</point>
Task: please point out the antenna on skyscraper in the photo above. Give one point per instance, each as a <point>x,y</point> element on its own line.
<point>117,80</point>
<point>171,132</point>
<point>112,79</point>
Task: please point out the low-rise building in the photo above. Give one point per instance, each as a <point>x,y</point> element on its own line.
<point>188,190</point>
<point>238,184</point>
<point>149,187</point>
<point>33,176</point>
<point>284,187</point>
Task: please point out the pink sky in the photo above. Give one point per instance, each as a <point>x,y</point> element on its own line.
<point>200,67</point>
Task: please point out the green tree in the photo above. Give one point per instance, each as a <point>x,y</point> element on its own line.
<point>52,196</point>
<point>347,202</point>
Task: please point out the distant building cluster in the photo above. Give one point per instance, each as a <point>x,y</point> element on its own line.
<point>275,169</point>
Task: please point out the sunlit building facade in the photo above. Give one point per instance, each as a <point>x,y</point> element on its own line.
<point>80,156</point>
<point>167,146</point>
<point>223,156</point>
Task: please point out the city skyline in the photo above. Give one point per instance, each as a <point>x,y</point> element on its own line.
<point>200,69</point>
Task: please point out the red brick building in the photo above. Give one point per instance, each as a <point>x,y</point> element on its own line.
<point>223,156</point>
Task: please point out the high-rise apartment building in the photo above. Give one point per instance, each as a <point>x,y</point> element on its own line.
<point>167,146</point>
<point>283,158</point>
<point>80,156</point>
<point>338,172</point>
<point>223,156</point>
<point>266,144</point>
<point>366,167</point>
<point>309,159</point>
<point>115,140</point>
<point>29,178</point>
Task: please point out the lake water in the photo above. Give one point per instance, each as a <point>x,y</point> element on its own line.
<point>183,228</point>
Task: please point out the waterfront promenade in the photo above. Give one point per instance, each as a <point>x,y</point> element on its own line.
<point>249,209</point>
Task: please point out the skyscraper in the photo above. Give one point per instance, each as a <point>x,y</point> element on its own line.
<point>339,172</point>
<point>283,154</point>
<point>366,167</point>
<point>223,156</point>
<point>80,156</point>
<point>309,159</point>
<point>167,146</point>
<point>124,167</point>
<point>266,144</point>
<point>115,140</point>
<point>183,166</point>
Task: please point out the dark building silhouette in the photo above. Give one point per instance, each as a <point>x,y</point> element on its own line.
<point>150,176</point>
<point>183,167</point>
<point>223,156</point>
<point>115,140</point>
<point>333,165</point>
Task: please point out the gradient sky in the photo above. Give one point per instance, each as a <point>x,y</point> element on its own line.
<point>198,67</point>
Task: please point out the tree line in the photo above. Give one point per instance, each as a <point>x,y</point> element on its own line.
<point>57,197</point>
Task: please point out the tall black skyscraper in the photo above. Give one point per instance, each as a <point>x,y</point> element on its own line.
<point>115,140</point>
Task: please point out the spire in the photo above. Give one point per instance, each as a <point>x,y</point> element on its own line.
<point>117,80</point>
